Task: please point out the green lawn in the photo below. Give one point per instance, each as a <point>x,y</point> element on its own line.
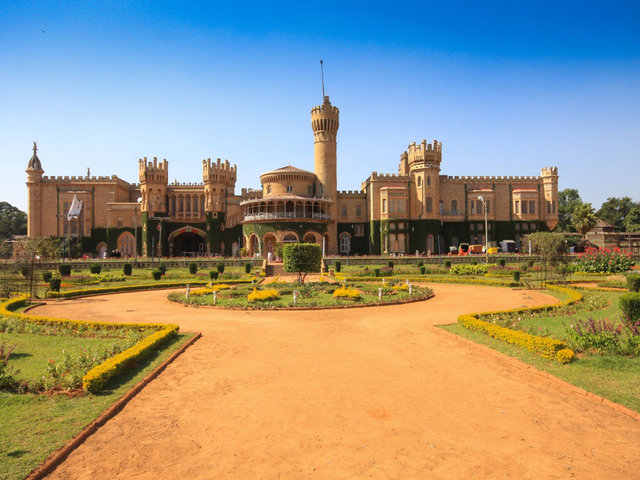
<point>32,427</point>
<point>614,377</point>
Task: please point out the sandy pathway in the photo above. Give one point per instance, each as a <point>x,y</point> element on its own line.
<point>358,393</point>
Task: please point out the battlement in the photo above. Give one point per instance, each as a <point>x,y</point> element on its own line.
<point>389,176</point>
<point>325,117</point>
<point>82,179</point>
<point>423,153</point>
<point>218,171</point>
<point>549,171</point>
<point>351,194</point>
<point>175,183</point>
<point>481,179</point>
<point>153,171</point>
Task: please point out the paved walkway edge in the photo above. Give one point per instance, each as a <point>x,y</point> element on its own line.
<point>552,378</point>
<point>54,460</point>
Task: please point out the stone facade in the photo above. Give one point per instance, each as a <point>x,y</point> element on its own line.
<point>417,209</point>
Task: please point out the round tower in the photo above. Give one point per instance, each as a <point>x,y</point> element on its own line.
<point>325,122</point>
<point>34,194</point>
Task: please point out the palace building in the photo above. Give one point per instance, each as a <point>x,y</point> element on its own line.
<point>416,209</point>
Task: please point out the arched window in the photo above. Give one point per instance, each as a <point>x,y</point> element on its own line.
<point>428,181</point>
<point>454,207</point>
<point>430,243</point>
<point>126,243</point>
<point>441,206</point>
<point>358,210</point>
<point>429,204</point>
<point>345,243</point>
<point>419,181</point>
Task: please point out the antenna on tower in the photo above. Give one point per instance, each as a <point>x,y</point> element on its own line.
<point>322,74</point>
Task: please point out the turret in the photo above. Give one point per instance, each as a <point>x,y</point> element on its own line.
<point>550,189</point>
<point>219,178</point>
<point>325,122</point>
<point>153,184</point>
<point>422,163</point>
<point>34,194</point>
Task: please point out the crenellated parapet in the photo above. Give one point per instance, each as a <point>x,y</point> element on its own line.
<point>396,177</point>
<point>153,172</point>
<point>423,155</point>
<point>325,120</point>
<point>490,179</point>
<point>344,194</point>
<point>218,171</point>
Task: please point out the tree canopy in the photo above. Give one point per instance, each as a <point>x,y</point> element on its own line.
<point>302,258</point>
<point>623,213</point>
<point>13,221</point>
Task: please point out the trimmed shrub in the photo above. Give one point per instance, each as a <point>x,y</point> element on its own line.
<point>630,305</point>
<point>473,269</point>
<point>193,268</point>
<point>633,282</point>
<point>95,268</point>
<point>26,270</point>
<point>302,258</point>
<point>64,269</point>
<point>565,355</point>
<point>247,268</point>
<point>156,274</point>
<point>422,270</point>
<point>516,276</point>
<point>46,276</point>
<point>127,269</point>
<point>420,263</point>
<point>376,272</point>
<point>220,268</point>
<point>503,262</point>
<point>163,268</point>
<point>530,263</point>
<point>390,264</point>
<point>263,295</point>
<point>54,284</point>
<point>337,266</point>
<point>347,292</point>
<point>447,264</point>
<point>213,274</point>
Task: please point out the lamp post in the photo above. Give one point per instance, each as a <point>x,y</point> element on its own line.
<point>486,231</point>
<point>135,229</point>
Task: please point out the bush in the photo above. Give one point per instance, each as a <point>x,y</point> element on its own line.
<point>447,264</point>
<point>473,269</point>
<point>503,262</point>
<point>565,355</point>
<point>422,269</point>
<point>156,274</point>
<point>302,258</point>
<point>376,272</point>
<point>163,268</point>
<point>337,266</point>
<point>263,295</point>
<point>213,274</point>
<point>46,276</point>
<point>605,260</point>
<point>516,276</point>
<point>347,292</point>
<point>127,268</point>
<point>54,284</point>
<point>390,264</point>
<point>64,269</point>
<point>633,282</point>
<point>247,268</point>
<point>420,263</point>
<point>220,268</point>
<point>193,268</point>
<point>95,268</point>
<point>630,305</point>
<point>530,263</point>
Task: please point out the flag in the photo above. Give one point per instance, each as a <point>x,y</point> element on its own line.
<point>76,208</point>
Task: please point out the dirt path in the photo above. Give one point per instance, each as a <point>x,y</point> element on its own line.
<point>359,393</point>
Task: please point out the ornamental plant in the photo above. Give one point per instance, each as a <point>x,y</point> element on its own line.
<point>64,269</point>
<point>347,292</point>
<point>466,269</point>
<point>163,268</point>
<point>127,268</point>
<point>633,282</point>
<point>95,268</point>
<point>156,274</point>
<point>263,295</point>
<point>302,258</point>
<point>630,305</point>
<point>337,266</point>
<point>193,268</point>
<point>247,268</point>
<point>213,274</point>
<point>220,268</point>
<point>198,292</point>
<point>605,260</point>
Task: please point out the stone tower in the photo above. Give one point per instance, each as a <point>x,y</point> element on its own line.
<point>34,194</point>
<point>550,189</point>
<point>422,163</point>
<point>153,185</point>
<point>325,122</point>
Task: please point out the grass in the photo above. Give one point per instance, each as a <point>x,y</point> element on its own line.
<point>34,351</point>
<point>32,427</point>
<point>611,376</point>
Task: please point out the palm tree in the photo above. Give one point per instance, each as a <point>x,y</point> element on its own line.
<point>584,218</point>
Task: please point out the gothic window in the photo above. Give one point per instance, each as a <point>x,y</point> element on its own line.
<point>428,181</point>
<point>268,188</point>
<point>517,207</point>
<point>384,205</point>
<point>344,211</point>
<point>358,210</point>
<point>345,243</point>
<point>289,188</point>
<point>532,207</point>
<point>419,181</point>
<point>429,203</point>
<point>358,230</point>
<point>454,207</point>
<point>441,205</point>
<point>525,207</point>
<point>430,243</point>
<point>488,203</point>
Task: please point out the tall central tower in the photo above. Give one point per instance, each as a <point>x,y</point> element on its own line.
<point>325,122</point>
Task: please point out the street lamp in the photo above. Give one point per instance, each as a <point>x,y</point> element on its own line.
<point>135,229</point>
<point>486,231</point>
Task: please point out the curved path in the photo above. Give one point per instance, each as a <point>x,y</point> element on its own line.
<point>358,393</point>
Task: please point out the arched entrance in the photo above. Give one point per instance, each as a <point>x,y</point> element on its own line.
<point>187,242</point>
<point>269,244</point>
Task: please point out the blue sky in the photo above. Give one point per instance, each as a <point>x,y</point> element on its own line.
<point>508,87</point>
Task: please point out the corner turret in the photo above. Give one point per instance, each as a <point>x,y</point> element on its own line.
<point>153,184</point>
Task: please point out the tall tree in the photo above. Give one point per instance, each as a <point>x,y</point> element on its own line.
<point>13,221</point>
<point>616,211</point>
<point>583,218</point>
<point>568,200</point>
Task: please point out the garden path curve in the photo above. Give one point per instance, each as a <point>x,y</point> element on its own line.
<point>375,392</point>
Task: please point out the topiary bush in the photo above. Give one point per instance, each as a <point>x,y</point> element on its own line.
<point>156,274</point>
<point>55,283</point>
<point>422,270</point>
<point>390,264</point>
<point>376,272</point>
<point>302,258</point>
<point>630,305</point>
<point>163,268</point>
<point>193,268</point>
<point>127,269</point>
<point>64,269</point>
<point>420,263</point>
<point>516,276</point>
<point>530,263</point>
<point>220,268</point>
<point>633,282</point>
<point>503,262</point>
<point>337,266</point>
<point>213,274</point>
<point>46,276</point>
<point>95,268</point>
<point>247,268</point>
<point>447,264</point>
